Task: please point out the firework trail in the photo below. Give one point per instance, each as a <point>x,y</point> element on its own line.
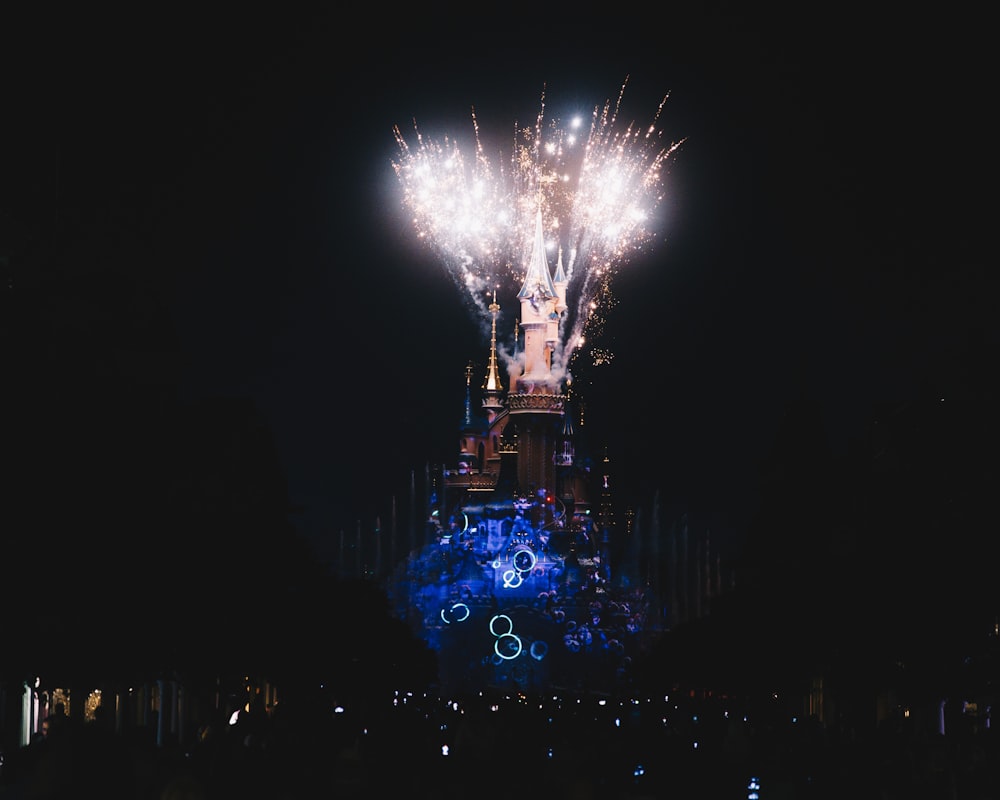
<point>598,189</point>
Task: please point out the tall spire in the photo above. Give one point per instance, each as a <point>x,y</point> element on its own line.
<point>538,316</point>
<point>558,305</point>
<point>565,455</point>
<point>605,516</point>
<point>468,395</point>
<point>492,387</point>
<point>538,286</point>
<point>560,281</point>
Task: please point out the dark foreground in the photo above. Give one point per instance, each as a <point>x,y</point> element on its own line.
<point>418,748</point>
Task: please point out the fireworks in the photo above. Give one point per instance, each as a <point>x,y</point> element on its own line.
<point>598,189</point>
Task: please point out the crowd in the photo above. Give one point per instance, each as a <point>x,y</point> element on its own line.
<point>510,747</point>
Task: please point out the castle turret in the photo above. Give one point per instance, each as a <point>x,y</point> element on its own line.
<point>538,302</point>
<point>560,282</point>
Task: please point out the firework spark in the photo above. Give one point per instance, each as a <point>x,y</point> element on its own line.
<point>598,190</point>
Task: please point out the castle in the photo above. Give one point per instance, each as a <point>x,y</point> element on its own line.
<point>515,587</point>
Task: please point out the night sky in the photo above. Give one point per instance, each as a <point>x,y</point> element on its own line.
<point>824,227</point>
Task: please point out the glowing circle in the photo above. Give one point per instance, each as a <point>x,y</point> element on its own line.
<point>538,649</point>
<point>459,612</point>
<point>512,579</point>
<point>499,618</point>
<point>524,560</point>
<point>507,646</point>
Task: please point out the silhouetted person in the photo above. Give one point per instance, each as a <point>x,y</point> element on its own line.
<point>56,722</point>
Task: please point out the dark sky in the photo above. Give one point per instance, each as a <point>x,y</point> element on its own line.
<point>825,220</point>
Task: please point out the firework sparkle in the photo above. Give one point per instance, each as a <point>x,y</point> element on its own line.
<point>598,189</point>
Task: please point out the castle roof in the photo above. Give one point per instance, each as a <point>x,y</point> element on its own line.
<point>538,280</point>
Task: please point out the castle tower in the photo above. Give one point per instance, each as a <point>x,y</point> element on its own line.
<point>536,403</point>
<point>516,449</point>
<point>538,303</point>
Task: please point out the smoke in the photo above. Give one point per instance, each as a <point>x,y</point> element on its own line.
<point>513,363</point>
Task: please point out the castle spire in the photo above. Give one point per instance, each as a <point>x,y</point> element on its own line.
<point>538,315</point>
<point>538,287</point>
<point>558,306</point>
<point>605,516</point>
<point>492,387</point>
<point>468,395</point>
<point>560,281</point>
